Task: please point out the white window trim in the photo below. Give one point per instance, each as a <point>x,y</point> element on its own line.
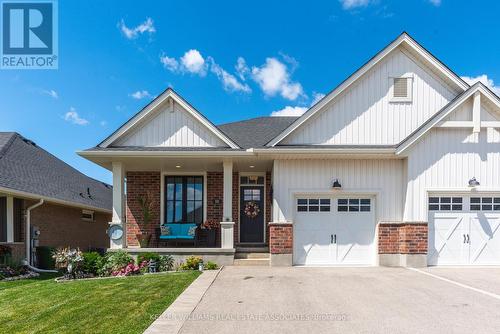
<point>409,82</point>
<point>88,212</point>
<point>162,191</point>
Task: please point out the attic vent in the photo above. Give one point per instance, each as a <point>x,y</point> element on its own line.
<point>400,87</point>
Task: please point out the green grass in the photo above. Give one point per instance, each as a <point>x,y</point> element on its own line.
<point>115,305</point>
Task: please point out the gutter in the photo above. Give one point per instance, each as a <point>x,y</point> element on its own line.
<point>319,150</point>
<point>173,154</point>
<point>28,230</point>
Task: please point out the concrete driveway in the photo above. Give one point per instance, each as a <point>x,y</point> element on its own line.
<point>349,300</point>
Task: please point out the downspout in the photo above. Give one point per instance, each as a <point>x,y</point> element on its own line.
<point>28,230</point>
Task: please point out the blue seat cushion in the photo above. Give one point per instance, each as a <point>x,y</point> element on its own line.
<point>180,231</point>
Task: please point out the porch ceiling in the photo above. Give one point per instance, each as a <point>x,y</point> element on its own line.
<point>187,164</point>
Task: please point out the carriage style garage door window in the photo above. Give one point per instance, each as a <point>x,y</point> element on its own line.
<point>464,229</point>
<point>334,231</point>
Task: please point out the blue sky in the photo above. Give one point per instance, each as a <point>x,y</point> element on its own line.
<point>230,60</point>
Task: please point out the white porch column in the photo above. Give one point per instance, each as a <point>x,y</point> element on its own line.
<point>227,226</point>
<point>118,205</point>
<point>10,219</point>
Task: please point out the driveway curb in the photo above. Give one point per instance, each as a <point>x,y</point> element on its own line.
<point>173,318</point>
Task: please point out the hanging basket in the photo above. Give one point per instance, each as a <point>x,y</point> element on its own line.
<point>252,210</point>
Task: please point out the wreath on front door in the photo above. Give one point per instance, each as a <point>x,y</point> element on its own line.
<point>252,210</point>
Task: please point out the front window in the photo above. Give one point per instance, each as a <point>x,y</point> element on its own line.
<point>184,199</point>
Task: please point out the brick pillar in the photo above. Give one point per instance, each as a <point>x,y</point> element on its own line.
<point>281,243</point>
<point>215,185</point>
<point>403,244</point>
<point>142,184</point>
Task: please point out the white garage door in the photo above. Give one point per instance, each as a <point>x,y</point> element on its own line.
<point>464,230</point>
<point>334,231</point>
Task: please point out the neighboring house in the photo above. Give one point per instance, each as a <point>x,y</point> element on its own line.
<point>398,165</point>
<point>71,209</point>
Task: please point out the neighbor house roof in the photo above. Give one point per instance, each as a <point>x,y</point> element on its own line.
<point>26,169</point>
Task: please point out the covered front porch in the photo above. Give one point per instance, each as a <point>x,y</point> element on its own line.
<point>185,206</point>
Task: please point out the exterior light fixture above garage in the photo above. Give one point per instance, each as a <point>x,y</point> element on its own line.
<point>473,182</point>
<point>336,184</point>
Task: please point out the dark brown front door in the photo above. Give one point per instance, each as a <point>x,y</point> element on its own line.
<point>252,214</point>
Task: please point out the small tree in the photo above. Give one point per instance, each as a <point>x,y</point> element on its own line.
<point>147,205</point>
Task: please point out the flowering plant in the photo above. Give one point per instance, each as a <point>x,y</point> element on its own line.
<point>131,269</point>
<point>211,224</point>
<point>252,210</point>
<point>68,259</point>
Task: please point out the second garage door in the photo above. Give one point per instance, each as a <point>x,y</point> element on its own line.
<point>464,229</point>
<point>334,231</point>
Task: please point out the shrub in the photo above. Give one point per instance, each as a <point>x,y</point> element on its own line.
<point>131,269</point>
<point>113,261</point>
<point>92,261</point>
<point>191,263</point>
<point>44,257</point>
<point>166,263</point>
<point>211,265</point>
<point>149,256</point>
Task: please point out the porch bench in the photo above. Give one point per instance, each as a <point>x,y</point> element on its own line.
<point>178,232</point>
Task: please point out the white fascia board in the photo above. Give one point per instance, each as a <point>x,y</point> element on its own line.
<point>142,154</point>
<point>24,194</point>
<point>478,87</point>
<point>316,150</point>
<point>153,105</point>
<point>364,69</point>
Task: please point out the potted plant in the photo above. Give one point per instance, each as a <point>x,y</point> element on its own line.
<point>211,225</point>
<point>146,203</point>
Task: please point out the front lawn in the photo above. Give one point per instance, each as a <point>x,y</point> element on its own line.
<point>113,305</point>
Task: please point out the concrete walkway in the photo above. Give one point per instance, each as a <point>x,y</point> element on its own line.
<point>172,319</point>
<point>346,300</point>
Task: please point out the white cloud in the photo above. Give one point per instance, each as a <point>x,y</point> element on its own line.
<point>193,62</point>
<point>436,3</point>
<point>273,78</point>
<point>132,33</point>
<point>229,81</point>
<point>52,93</point>
<point>290,111</point>
<point>140,94</point>
<point>103,123</point>
<point>73,117</point>
<point>298,111</point>
<point>350,4</point>
<point>485,80</point>
<point>242,68</point>
<point>169,63</point>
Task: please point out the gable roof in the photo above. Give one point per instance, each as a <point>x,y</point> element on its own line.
<point>445,111</point>
<point>405,39</point>
<point>152,106</point>
<point>256,132</point>
<point>27,169</point>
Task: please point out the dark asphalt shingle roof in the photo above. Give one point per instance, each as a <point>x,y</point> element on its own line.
<point>28,168</point>
<point>256,132</point>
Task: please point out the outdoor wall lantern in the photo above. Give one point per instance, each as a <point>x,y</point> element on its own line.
<point>473,182</point>
<point>336,184</point>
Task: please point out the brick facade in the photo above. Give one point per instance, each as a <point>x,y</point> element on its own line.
<point>280,238</point>
<point>406,238</point>
<point>142,184</point>
<point>215,199</point>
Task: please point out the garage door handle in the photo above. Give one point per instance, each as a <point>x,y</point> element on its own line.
<point>331,238</point>
<point>465,238</point>
<point>335,239</point>
<point>468,239</point>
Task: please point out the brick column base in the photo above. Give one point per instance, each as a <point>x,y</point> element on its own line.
<point>281,243</point>
<point>403,244</point>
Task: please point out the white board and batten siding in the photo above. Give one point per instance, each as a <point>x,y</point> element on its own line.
<point>171,129</point>
<point>447,158</point>
<point>365,115</point>
<point>384,179</point>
